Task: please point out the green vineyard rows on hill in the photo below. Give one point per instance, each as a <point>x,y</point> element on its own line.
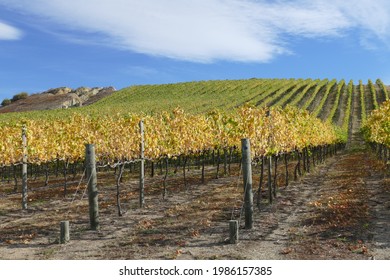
<point>324,98</point>
<point>329,100</point>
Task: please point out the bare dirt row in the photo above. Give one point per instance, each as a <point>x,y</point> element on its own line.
<point>340,210</point>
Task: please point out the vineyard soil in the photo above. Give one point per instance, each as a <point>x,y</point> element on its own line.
<point>340,210</point>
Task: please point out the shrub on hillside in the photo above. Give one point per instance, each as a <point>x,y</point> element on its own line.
<point>6,102</point>
<point>19,96</point>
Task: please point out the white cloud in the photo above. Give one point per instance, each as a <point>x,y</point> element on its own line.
<point>209,30</point>
<point>8,32</point>
<point>373,17</point>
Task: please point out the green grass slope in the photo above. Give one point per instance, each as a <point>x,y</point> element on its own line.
<point>328,99</point>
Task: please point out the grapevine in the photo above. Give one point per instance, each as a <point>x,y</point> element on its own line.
<point>373,94</point>
<point>332,113</point>
<point>383,88</point>
<point>167,134</point>
<point>377,126</point>
<point>362,101</point>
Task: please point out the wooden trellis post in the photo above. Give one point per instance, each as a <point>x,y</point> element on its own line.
<point>247,175</point>
<point>142,169</point>
<point>233,231</point>
<point>64,232</point>
<point>90,163</point>
<point>269,182</point>
<point>270,143</point>
<point>24,168</point>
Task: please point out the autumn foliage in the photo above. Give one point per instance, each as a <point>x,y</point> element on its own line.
<point>167,134</point>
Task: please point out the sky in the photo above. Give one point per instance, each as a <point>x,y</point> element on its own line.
<point>96,43</point>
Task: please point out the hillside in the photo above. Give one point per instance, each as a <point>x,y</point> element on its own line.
<point>58,98</point>
<point>334,208</point>
<point>327,99</point>
<point>343,103</point>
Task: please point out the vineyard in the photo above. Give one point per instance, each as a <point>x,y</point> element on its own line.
<point>175,149</point>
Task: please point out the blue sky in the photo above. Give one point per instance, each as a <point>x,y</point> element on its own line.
<point>52,43</point>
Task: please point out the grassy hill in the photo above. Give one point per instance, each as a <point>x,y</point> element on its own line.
<point>344,103</point>
<point>339,102</point>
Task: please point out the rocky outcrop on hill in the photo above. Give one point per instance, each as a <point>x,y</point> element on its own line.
<point>79,96</point>
<point>72,100</point>
<point>59,98</point>
<point>58,91</point>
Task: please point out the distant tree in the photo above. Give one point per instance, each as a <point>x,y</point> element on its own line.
<point>6,102</point>
<point>19,96</point>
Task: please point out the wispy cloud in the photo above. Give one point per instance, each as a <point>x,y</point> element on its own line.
<point>8,32</point>
<point>210,30</point>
